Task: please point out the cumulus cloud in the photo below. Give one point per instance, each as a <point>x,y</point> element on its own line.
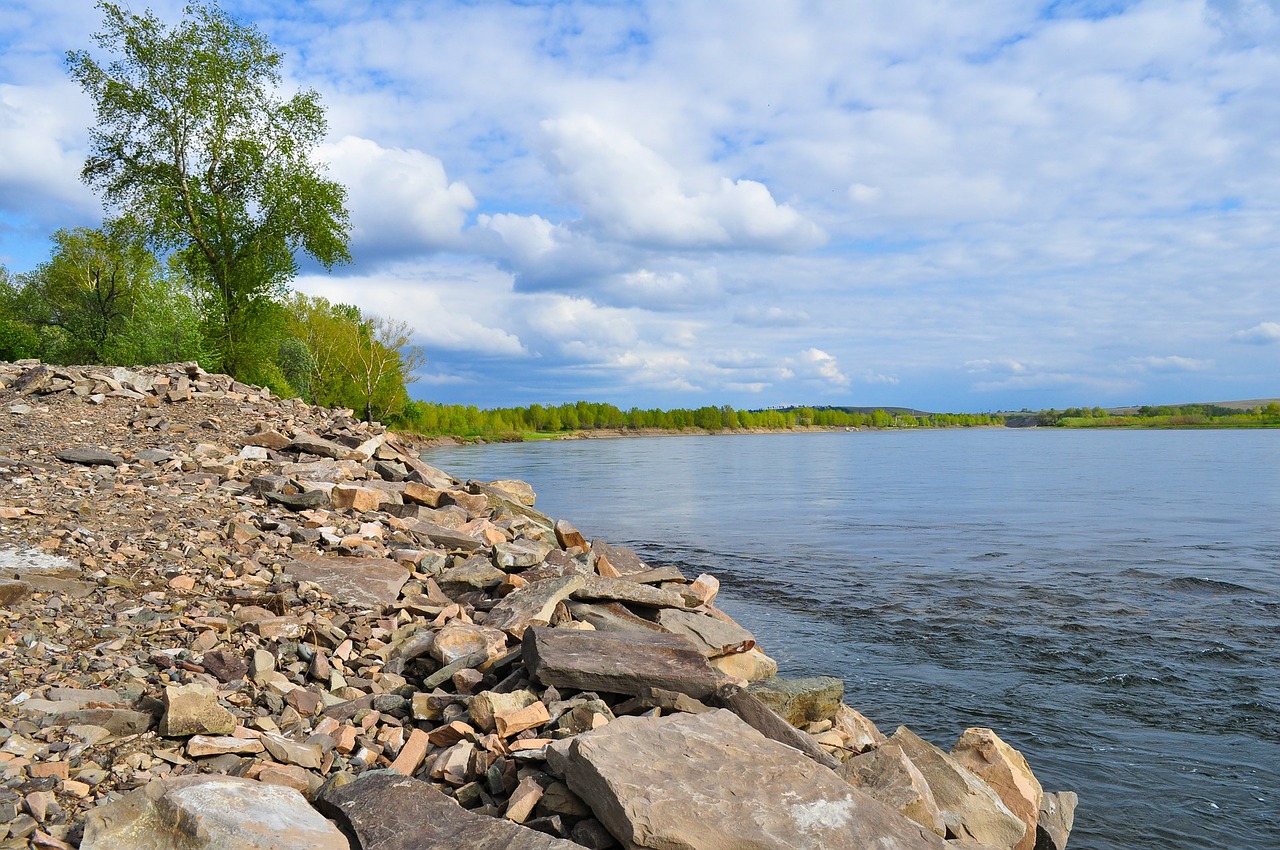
<point>400,200</point>
<point>816,363</point>
<point>1263,333</point>
<point>630,193</point>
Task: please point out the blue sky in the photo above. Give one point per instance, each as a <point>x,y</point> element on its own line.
<point>948,205</point>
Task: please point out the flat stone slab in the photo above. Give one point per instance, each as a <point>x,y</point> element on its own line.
<point>210,813</point>
<point>447,537</point>
<point>532,605</point>
<point>371,582</point>
<point>709,781</point>
<point>624,590</point>
<point>387,811</point>
<point>88,456</point>
<point>314,445</point>
<point>618,662</point>
<point>715,637</point>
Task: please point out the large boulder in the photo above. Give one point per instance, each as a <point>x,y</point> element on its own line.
<point>1006,771</point>
<point>969,807</point>
<point>1057,816</point>
<point>709,781</point>
<point>370,582</point>
<point>888,775</point>
<point>210,813</point>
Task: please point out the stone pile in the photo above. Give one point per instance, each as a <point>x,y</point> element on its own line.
<point>233,621</point>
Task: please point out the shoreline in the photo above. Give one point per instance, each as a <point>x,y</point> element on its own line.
<point>264,612</point>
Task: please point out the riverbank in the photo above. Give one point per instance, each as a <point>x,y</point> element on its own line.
<point>237,611</point>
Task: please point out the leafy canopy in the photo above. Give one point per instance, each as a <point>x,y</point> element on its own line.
<point>192,138</point>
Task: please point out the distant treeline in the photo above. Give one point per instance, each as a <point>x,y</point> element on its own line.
<point>434,419</point>
<point>1164,416</point>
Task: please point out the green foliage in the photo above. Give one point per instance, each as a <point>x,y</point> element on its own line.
<point>1165,416</point>
<point>192,137</point>
<point>507,422</point>
<point>297,365</point>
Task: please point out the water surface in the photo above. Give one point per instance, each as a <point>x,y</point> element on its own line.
<point>1108,601</point>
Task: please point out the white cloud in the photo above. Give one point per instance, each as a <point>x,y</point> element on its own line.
<point>1171,363</point>
<point>400,200</point>
<point>632,194</point>
<point>771,317</point>
<point>1262,333</point>
<point>816,363</point>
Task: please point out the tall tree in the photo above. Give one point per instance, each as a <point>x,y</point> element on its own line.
<point>193,138</point>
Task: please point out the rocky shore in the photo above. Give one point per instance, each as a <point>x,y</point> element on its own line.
<point>233,621</point>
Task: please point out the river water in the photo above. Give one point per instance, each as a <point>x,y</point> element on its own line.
<point>1107,601</point>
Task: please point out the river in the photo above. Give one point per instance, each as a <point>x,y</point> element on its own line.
<point>1107,601</point>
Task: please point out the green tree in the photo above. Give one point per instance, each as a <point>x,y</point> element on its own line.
<point>91,284</point>
<point>192,137</point>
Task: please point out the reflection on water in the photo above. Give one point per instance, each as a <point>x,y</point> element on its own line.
<point>1108,601</point>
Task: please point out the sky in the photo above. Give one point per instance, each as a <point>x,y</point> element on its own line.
<point>954,206</point>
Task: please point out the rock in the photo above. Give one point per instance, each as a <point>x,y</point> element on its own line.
<point>358,499</point>
<point>516,491</point>
<point>13,591</point>
<point>622,590</point>
<point>193,710</point>
<point>1057,816</point>
<point>618,662</point>
<point>889,776</point>
<point>969,807</point>
<point>387,811</point>
<point>710,781</point>
<point>459,640</point>
<point>621,561</point>
<point>1005,770</point>
<point>857,731</point>
<point>569,537</point>
<point>752,665</point>
<point>769,723</point>
<point>532,605</point>
<point>801,701</point>
<point>210,813</point>
<point>314,445</point>
<point>369,582</point>
<point>200,746</point>
<point>520,553</point>
<point>446,537</point>
<point>486,704</point>
<point>475,573</point>
<point>517,720</point>
<point>224,666</point>
<point>298,501</point>
<point>288,751</point>
<point>88,456</point>
<point>716,637</point>
<point>268,439</point>
<point>611,617</point>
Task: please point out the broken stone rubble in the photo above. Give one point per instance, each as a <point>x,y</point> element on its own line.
<point>270,595</point>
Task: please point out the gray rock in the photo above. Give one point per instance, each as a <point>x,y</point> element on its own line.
<point>369,582</point>
<point>618,662</point>
<point>387,811</point>
<point>298,501</point>
<point>314,445</point>
<point>475,573</point>
<point>88,456</point>
<point>446,537</point>
<point>801,701</point>
<point>520,553</point>
<point>714,636</point>
<point>709,781</point>
<point>611,617</point>
<point>622,590</point>
<point>531,605</point>
<point>624,561</point>
<point>969,807</point>
<point>1057,816</point>
<point>210,813</point>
